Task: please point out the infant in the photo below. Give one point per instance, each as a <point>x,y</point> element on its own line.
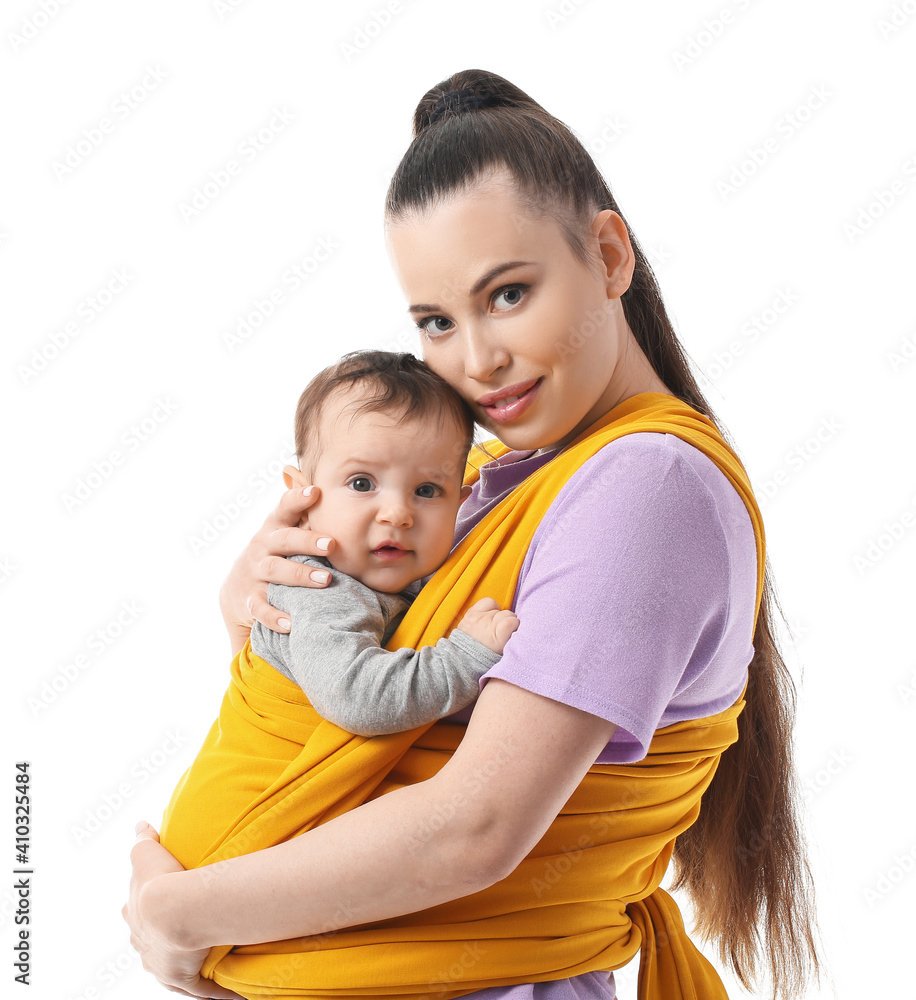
<point>385,440</point>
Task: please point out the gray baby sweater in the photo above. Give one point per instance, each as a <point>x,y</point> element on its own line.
<point>334,652</point>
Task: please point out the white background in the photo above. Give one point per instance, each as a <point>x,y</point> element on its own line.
<point>675,100</point>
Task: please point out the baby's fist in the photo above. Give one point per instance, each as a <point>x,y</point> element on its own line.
<point>485,622</point>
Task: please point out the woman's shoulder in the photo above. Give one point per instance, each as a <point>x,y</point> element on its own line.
<point>646,463</point>
<point>648,490</point>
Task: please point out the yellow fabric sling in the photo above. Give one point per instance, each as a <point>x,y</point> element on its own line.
<point>587,896</point>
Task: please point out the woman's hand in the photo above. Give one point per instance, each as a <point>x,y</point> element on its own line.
<point>177,969</point>
<point>243,596</point>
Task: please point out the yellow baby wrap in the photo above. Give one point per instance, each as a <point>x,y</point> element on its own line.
<point>586,897</point>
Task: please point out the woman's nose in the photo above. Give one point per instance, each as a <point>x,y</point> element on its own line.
<point>484,353</point>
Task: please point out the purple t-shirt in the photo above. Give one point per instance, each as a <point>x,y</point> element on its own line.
<point>635,603</point>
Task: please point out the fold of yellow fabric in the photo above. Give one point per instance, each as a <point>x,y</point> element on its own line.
<point>586,898</point>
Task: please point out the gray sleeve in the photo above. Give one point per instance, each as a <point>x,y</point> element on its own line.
<point>334,653</point>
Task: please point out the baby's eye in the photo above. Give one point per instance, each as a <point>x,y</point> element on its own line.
<point>428,486</point>
<point>361,479</point>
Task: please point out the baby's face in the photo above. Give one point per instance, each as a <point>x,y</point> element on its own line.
<point>387,482</point>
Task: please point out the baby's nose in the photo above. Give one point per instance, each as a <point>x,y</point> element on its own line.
<point>395,510</point>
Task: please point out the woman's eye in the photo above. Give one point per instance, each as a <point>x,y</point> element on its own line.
<point>361,479</point>
<point>424,323</point>
<point>512,293</point>
<point>515,291</point>
<point>428,486</point>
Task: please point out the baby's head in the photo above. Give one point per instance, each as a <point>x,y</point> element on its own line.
<point>385,439</point>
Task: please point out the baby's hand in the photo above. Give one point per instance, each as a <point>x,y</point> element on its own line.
<point>484,622</point>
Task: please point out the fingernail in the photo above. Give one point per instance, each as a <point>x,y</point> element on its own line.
<point>307,491</point>
<point>323,544</point>
<point>284,624</point>
<point>320,575</point>
<point>141,825</point>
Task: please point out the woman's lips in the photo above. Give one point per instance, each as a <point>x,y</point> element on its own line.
<point>503,414</point>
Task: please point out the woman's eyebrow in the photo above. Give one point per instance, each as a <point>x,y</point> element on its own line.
<point>479,285</point>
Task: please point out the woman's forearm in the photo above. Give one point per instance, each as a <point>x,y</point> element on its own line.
<point>400,853</point>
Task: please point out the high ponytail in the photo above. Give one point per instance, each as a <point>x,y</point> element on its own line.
<point>743,862</point>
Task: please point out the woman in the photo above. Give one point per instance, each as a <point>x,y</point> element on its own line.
<point>641,588</point>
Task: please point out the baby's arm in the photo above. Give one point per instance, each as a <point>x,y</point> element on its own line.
<point>333,652</point>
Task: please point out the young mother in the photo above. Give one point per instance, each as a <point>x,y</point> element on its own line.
<point>645,633</point>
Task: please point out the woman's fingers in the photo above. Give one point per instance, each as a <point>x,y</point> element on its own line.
<point>205,988</point>
<point>289,541</point>
<point>243,596</point>
<point>289,572</point>
<point>292,507</point>
<point>148,857</point>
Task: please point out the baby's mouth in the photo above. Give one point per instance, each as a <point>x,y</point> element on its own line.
<point>389,552</point>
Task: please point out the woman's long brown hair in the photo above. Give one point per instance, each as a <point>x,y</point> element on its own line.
<point>743,862</point>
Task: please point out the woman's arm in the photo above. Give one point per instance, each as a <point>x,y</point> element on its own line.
<point>243,596</point>
<point>522,757</point>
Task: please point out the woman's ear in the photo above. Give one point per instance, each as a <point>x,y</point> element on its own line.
<point>616,251</point>
<point>293,478</point>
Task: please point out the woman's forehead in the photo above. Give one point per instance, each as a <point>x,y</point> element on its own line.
<point>469,236</point>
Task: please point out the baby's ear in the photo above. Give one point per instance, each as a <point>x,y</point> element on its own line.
<point>466,491</point>
<point>293,478</point>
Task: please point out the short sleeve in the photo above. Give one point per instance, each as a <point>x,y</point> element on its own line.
<point>623,599</point>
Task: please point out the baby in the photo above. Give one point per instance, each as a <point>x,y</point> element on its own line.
<point>385,439</point>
